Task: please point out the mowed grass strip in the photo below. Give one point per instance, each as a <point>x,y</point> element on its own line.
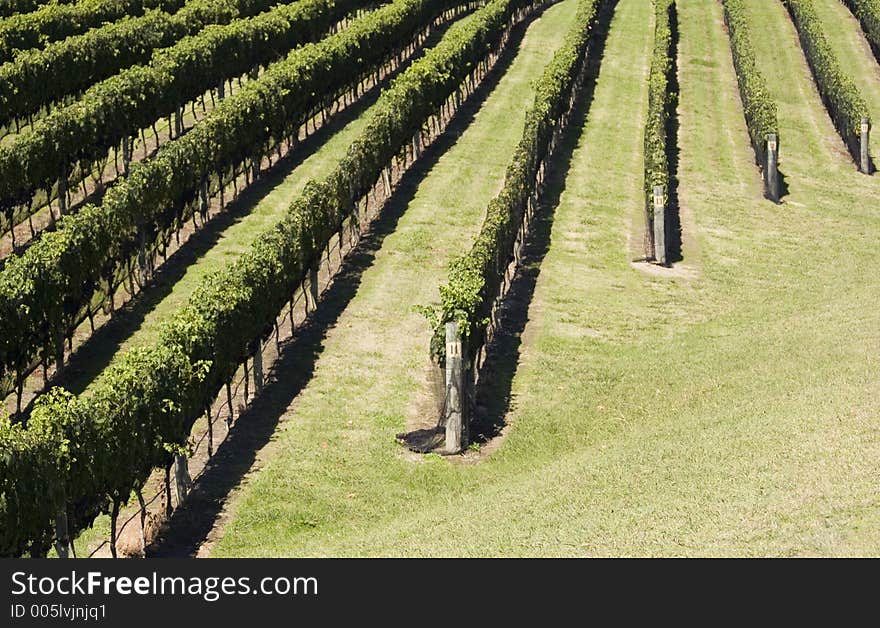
<point>335,468</point>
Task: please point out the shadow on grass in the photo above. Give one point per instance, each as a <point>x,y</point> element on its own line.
<point>493,396</point>
<point>673,225</point>
<point>783,186</point>
<point>191,523</point>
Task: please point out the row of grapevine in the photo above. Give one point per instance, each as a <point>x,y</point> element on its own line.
<point>476,278</point>
<point>44,291</point>
<point>53,22</point>
<point>102,446</point>
<point>660,105</point>
<point>117,108</point>
<point>14,7</point>
<point>41,77</point>
<point>758,106</point>
<point>845,104</point>
<point>868,14</point>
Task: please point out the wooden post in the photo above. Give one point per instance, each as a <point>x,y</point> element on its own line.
<point>312,294</point>
<point>114,518</point>
<point>182,478</point>
<point>386,181</point>
<point>456,416</point>
<point>168,508</point>
<point>258,366</point>
<point>660,224</point>
<point>865,161</point>
<point>127,145</point>
<point>142,256</point>
<point>771,172</point>
<point>247,378</point>
<point>62,537</point>
<point>178,122</point>
<point>203,193</point>
<point>416,146</point>
<point>62,192</point>
<point>229,403</point>
<point>143,513</point>
<point>210,431</point>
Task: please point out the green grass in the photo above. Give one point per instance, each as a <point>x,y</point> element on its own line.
<point>726,407</point>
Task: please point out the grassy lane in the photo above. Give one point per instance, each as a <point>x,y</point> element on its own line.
<point>854,53</point>
<point>335,469</point>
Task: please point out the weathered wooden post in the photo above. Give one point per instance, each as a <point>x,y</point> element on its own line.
<point>386,181</point>
<point>62,192</point>
<point>127,146</point>
<point>229,403</point>
<point>771,172</point>
<point>210,421</point>
<point>182,479</point>
<point>203,194</point>
<point>865,161</point>
<point>416,146</point>
<point>62,537</point>
<point>256,162</point>
<point>142,256</point>
<point>312,300</point>
<point>456,415</point>
<point>178,122</point>
<point>660,224</point>
<point>258,366</point>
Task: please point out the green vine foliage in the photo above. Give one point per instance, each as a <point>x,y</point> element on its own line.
<point>758,104</point>
<point>119,107</point>
<point>98,447</point>
<point>841,96</point>
<point>47,288</point>
<point>475,277</point>
<point>9,8</point>
<point>660,102</point>
<point>868,13</point>
<point>41,77</point>
<point>56,21</point>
